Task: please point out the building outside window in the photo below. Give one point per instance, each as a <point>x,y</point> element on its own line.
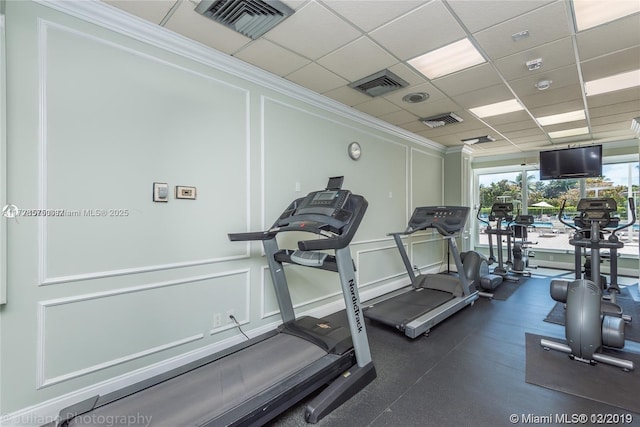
<point>543,199</point>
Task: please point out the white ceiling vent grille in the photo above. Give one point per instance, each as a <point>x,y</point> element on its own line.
<point>251,18</point>
<point>379,83</point>
<point>441,120</point>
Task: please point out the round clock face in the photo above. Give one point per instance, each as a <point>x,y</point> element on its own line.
<point>355,151</point>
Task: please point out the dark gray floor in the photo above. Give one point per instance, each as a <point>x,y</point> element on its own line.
<point>469,371</point>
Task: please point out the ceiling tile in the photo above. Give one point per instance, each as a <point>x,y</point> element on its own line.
<point>398,117</point>
<point>556,54</point>
<point>369,14</point>
<point>189,23</point>
<point>563,107</point>
<point>605,39</point>
<point>609,65</point>
<point>560,77</point>
<point>477,15</point>
<point>305,32</point>
<point>565,126</point>
<point>513,117</point>
<point>316,78</point>
<point>419,31</point>
<point>546,24</point>
<point>632,108</point>
<point>377,107</point>
<point>612,98</point>
<point>485,96</point>
<point>519,120</point>
<point>468,80</point>
<point>151,11</point>
<point>261,53</point>
<point>552,96</point>
<point>341,61</point>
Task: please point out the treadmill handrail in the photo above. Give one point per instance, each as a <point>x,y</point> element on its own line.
<point>252,235</point>
<point>323,225</point>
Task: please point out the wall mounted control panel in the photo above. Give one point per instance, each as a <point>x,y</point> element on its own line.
<point>184,192</point>
<point>160,192</point>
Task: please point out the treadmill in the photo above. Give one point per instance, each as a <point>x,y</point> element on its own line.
<point>431,298</point>
<point>254,381</point>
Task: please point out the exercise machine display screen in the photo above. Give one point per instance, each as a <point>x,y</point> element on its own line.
<point>450,218</point>
<point>325,202</point>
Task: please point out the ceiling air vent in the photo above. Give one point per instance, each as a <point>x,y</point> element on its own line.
<point>379,83</point>
<point>478,140</point>
<point>441,120</point>
<point>251,18</point>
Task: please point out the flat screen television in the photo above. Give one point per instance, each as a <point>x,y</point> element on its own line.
<point>579,162</point>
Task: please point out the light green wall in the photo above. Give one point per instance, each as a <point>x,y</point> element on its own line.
<point>95,117</point>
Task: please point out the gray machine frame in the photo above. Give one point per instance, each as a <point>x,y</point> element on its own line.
<point>423,323</point>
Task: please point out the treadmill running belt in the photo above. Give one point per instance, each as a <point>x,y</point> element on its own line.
<point>212,389</point>
<point>401,309</point>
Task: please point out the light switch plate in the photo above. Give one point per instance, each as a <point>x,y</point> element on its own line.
<point>160,192</point>
<point>184,192</point>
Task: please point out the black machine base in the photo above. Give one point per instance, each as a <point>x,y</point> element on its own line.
<point>340,390</point>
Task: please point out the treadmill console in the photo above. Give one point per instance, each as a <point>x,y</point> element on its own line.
<point>446,219</point>
<point>501,211</point>
<point>334,213</point>
<point>325,202</point>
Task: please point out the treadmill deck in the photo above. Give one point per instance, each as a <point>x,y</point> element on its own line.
<point>209,391</point>
<point>402,309</point>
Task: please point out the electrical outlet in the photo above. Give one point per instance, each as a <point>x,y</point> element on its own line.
<point>217,320</point>
<point>550,257</point>
<point>230,313</point>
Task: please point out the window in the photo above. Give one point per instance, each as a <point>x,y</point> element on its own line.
<point>543,200</point>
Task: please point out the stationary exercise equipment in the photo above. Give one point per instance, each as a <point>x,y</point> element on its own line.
<point>252,382</point>
<point>591,323</point>
<point>431,298</point>
<point>476,268</point>
<point>521,244</point>
<point>610,290</point>
<point>501,214</point>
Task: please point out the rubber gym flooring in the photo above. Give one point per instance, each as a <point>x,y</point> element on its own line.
<point>471,370</point>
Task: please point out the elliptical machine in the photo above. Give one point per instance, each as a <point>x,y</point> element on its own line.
<point>590,322</point>
<point>500,212</point>
<point>521,243</point>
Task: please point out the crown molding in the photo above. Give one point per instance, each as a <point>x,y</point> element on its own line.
<point>112,18</point>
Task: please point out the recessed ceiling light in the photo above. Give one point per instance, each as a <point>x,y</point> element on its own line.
<point>571,116</point>
<point>543,84</point>
<point>447,59</point>
<point>568,132</point>
<point>612,83</point>
<point>591,13</point>
<point>497,108</point>
<point>416,97</point>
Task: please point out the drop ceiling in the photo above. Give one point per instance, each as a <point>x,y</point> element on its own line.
<point>328,44</point>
